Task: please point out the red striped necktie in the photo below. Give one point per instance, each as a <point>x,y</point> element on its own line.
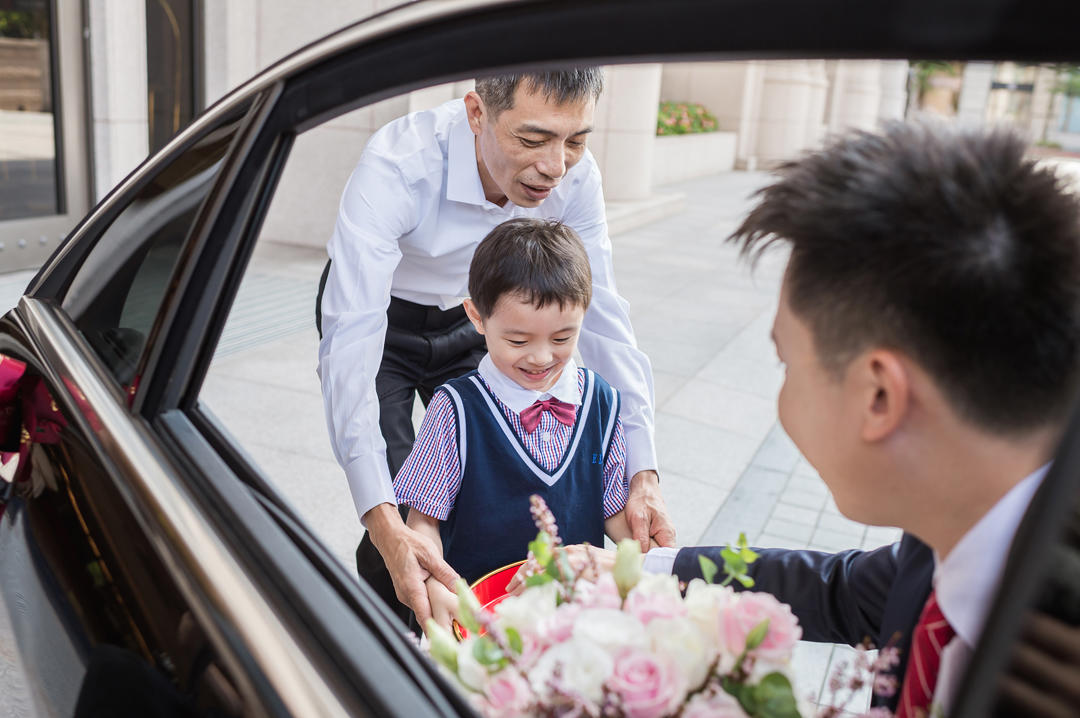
<point>931,634</point>
<point>563,412</point>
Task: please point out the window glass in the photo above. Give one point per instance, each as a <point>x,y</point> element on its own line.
<point>118,291</point>
<point>28,167</point>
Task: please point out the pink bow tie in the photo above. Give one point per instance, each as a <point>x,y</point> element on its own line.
<point>564,413</point>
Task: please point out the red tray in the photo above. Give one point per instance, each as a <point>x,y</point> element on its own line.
<point>490,590</point>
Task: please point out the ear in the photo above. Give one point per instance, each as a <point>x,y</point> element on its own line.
<point>888,395</point>
<point>475,111</point>
<point>474,315</point>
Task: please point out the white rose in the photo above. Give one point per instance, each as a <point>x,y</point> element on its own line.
<point>583,667</point>
<point>683,642</point>
<point>471,672</point>
<point>705,602</point>
<point>610,629</point>
<point>526,610</point>
<point>658,583</point>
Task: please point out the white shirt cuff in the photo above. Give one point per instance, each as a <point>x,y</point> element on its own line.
<point>369,482</point>
<point>660,560</point>
<point>640,450</point>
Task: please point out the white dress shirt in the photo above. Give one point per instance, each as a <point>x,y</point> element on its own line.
<point>967,580</point>
<point>410,218</point>
<point>518,398</point>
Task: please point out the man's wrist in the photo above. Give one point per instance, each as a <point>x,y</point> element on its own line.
<point>382,520</point>
<point>645,476</point>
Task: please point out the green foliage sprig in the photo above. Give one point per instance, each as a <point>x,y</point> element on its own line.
<point>682,118</point>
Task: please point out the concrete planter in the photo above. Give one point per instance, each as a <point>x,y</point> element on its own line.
<point>683,157</point>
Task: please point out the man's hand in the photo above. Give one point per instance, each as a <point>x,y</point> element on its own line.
<point>582,557</point>
<point>410,557</point>
<point>645,511</point>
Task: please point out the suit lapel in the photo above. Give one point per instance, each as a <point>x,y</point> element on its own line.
<point>910,589</point>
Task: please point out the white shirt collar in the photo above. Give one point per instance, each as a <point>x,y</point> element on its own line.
<point>967,579</point>
<point>462,174</point>
<point>517,397</point>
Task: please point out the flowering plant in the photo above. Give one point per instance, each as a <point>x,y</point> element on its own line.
<point>682,118</point>
<point>626,644</point>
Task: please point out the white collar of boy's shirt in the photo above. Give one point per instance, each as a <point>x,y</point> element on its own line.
<point>517,397</point>
<point>967,579</point>
<point>463,182</point>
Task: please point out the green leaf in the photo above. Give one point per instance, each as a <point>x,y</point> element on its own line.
<point>746,581</point>
<point>514,639</point>
<point>539,579</point>
<point>541,549</point>
<point>708,568</point>
<point>775,697</point>
<point>757,635</point>
<point>743,693</point>
<point>488,653</point>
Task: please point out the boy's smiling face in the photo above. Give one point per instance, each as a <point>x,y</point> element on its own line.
<point>528,344</point>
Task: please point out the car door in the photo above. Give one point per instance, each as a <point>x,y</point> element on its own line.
<point>142,573</point>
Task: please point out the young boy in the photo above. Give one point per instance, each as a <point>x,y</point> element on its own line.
<point>527,421</point>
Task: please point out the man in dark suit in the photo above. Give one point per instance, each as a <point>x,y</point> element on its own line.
<point>929,325</point>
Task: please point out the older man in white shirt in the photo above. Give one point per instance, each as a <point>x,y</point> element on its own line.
<point>428,187</point>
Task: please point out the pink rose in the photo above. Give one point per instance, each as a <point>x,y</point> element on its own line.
<point>648,606</point>
<point>507,694</point>
<point>602,594</point>
<point>713,704</point>
<point>749,610</point>
<point>558,627</point>
<point>648,685</point>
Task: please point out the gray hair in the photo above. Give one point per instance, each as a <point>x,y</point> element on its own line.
<point>561,86</point>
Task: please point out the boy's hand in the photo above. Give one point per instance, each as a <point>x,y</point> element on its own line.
<point>444,603</point>
<point>646,513</point>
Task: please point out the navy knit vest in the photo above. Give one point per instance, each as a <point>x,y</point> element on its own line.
<point>490,525</point>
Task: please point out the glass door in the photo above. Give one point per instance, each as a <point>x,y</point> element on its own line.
<point>43,171</point>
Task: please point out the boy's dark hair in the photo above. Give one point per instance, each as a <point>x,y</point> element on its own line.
<point>542,260</point>
<point>560,86</point>
<point>948,245</point>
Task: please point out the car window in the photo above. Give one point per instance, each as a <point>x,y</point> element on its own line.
<point>115,296</point>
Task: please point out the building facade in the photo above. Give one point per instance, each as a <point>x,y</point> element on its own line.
<point>88,90</point>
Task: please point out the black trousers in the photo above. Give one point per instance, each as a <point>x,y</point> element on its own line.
<point>424,347</point>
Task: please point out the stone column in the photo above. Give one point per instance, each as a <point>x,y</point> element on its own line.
<point>626,129</point>
<point>856,95</point>
<point>118,90</point>
<point>788,106</point>
<point>894,90</point>
<point>971,106</point>
<point>1041,100</point>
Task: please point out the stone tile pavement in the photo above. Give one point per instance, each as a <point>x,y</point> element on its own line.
<point>699,312</point>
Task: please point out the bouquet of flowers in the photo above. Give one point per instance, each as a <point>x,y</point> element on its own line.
<point>625,644</point>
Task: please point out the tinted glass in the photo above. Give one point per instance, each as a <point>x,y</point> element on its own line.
<point>116,295</point>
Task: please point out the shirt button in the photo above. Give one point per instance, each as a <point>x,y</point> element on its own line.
<point>545,436</point>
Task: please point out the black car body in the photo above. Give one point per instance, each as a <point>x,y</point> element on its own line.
<point>142,554</point>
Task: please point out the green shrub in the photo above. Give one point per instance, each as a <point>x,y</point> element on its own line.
<point>682,118</point>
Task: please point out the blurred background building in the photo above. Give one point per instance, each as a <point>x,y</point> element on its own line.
<point>89,89</point>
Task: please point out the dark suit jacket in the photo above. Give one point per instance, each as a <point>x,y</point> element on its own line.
<point>842,597</point>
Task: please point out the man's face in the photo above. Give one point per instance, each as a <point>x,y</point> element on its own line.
<point>529,345</point>
<point>524,152</point>
<point>820,413</point>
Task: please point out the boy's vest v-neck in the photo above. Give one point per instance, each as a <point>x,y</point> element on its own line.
<point>490,525</point>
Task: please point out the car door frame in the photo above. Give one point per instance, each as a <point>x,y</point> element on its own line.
<point>335,76</point>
